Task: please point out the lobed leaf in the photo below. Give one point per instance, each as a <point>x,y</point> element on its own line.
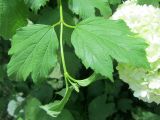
<point>87,9</point>
<point>35,4</point>
<point>33,52</point>
<point>97,40</point>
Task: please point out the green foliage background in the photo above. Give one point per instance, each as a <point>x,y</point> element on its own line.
<point>101,100</point>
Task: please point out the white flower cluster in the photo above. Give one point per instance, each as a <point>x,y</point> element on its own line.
<point>14,104</point>
<point>144,20</point>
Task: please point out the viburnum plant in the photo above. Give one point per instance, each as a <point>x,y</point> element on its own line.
<point>144,82</point>
<point>100,32</point>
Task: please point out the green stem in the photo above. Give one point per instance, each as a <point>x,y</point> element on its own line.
<point>61,11</point>
<point>75,80</point>
<point>61,38</point>
<point>61,49</point>
<point>61,44</point>
<point>75,85</point>
<point>57,23</point>
<point>69,26</point>
<point>62,24</point>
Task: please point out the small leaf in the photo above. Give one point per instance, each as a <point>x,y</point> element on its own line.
<point>87,9</point>
<point>33,52</point>
<point>55,108</point>
<point>36,4</point>
<point>97,40</point>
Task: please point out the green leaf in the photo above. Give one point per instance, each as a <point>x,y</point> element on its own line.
<point>114,2</point>
<point>87,9</point>
<point>19,118</point>
<point>97,40</point>
<point>36,4</point>
<point>99,110</point>
<point>33,112</point>
<point>55,108</point>
<point>149,2</point>
<point>51,14</point>
<point>140,114</point>
<point>99,85</point>
<point>39,92</point>
<point>13,15</point>
<point>113,89</point>
<point>33,52</point>
<point>65,115</point>
<point>124,104</point>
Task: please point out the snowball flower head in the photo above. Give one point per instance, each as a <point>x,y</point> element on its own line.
<point>145,21</point>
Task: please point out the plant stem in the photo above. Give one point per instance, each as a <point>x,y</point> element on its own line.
<point>61,38</point>
<point>69,26</point>
<point>61,11</point>
<point>61,44</point>
<point>57,23</point>
<point>67,77</point>
<point>75,80</point>
<point>62,51</point>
